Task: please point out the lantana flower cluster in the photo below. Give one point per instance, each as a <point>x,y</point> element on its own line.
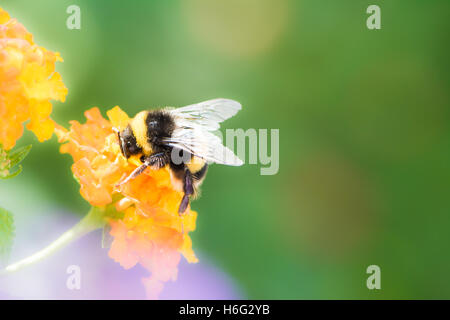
<point>144,224</point>
<point>149,230</point>
<point>28,82</point>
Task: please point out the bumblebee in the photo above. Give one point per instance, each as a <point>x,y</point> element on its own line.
<point>182,139</point>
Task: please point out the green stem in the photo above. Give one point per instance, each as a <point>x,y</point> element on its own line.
<point>92,221</point>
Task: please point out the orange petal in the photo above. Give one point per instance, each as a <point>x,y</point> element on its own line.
<point>118,118</point>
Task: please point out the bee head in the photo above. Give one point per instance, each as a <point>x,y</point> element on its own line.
<point>127,142</point>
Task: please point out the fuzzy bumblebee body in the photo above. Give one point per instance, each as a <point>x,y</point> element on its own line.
<point>182,139</point>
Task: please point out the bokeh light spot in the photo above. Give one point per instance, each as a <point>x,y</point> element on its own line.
<point>237,28</point>
<point>331,207</point>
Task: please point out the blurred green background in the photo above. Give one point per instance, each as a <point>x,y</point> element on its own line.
<point>363,118</point>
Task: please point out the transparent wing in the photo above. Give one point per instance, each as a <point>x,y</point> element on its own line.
<point>194,126</point>
<point>203,144</point>
<point>207,114</point>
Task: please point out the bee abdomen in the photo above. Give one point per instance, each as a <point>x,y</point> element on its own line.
<point>200,174</point>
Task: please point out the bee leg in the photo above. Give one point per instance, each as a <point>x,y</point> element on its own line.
<point>135,173</point>
<point>188,190</point>
<point>157,160</point>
